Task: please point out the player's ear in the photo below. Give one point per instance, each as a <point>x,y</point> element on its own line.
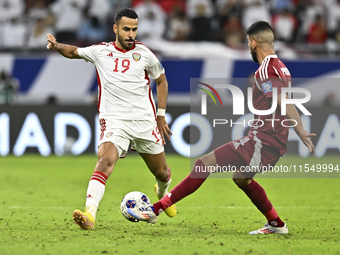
<point>115,28</point>
<point>253,44</point>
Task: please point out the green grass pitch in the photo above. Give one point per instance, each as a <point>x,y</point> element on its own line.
<point>39,194</point>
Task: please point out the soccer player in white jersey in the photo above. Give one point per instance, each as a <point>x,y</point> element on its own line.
<point>127,111</point>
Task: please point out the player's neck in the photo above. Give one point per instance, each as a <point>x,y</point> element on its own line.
<point>261,55</point>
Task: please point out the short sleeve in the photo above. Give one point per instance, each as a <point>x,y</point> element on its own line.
<point>88,53</point>
<point>154,67</point>
<point>274,81</point>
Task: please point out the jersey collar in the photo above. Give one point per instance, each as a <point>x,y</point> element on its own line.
<point>271,56</point>
<point>133,46</point>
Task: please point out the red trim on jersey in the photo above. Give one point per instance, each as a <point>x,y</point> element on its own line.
<point>100,89</point>
<point>124,51</point>
<point>103,43</point>
<point>153,107</point>
<point>147,77</point>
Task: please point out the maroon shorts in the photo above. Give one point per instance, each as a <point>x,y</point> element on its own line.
<point>248,155</point>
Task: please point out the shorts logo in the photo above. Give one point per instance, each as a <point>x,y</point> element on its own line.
<point>109,134</point>
<point>267,87</point>
<point>136,56</point>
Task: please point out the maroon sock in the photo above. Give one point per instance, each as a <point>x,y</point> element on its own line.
<point>189,185</point>
<point>259,198</point>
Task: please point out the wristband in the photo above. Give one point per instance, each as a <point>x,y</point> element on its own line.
<point>161,112</point>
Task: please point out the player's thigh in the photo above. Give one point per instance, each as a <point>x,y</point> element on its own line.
<point>107,158</point>
<point>155,162</point>
<point>146,137</point>
<point>108,151</point>
<point>226,156</point>
<point>115,132</point>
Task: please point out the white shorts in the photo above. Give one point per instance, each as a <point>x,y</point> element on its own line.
<point>142,134</point>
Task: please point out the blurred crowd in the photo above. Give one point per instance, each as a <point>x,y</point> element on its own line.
<point>305,23</point>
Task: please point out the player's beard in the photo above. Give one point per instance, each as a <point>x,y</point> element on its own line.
<point>124,43</point>
<point>254,55</point>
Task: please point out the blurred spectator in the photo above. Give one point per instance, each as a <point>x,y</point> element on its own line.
<point>202,25</point>
<point>318,31</point>
<point>69,15</point>
<point>169,5</point>
<point>40,22</point>
<point>233,33</point>
<point>332,13</point>
<point>29,4</point>
<point>10,9</point>
<point>38,7</point>
<point>280,5</point>
<point>193,11</point>
<point>92,31</point>
<point>254,10</point>
<point>14,34</point>
<point>118,4</point>
<point>151,20</point>
<point>284,25</point>
<point>225,8</point>
<point>337,33</point>
<point>307,12</point>
<point>179,27</point>
<point>40,27</point>
<point>99,9</point>
<point>166,5</point>
<point>8,88</point>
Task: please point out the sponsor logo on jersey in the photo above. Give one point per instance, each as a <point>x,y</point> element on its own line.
<point>136,56</point>
<point>267,87</point>
<point>285,71</point>
<point>109,134</point>
<point>110,55</point>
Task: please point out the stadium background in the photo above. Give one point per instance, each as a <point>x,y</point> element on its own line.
<point>50,107</point>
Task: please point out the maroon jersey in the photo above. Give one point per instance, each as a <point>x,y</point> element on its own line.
<point>272,73</point>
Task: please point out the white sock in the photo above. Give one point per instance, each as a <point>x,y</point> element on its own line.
<point>162,187</point>
<point>95,192</point>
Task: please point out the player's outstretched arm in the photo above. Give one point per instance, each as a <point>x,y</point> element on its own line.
<point>162,93</point>
<point>68,51</point>
<point>305,137</point>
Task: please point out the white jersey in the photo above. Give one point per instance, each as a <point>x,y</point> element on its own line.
<point>124,91</point>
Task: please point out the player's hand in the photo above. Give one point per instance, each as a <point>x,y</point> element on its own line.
<point>306,139</point>
<point>52,42</point>
<point>163,128</point>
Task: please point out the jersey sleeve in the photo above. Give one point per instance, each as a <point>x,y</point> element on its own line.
<point>154,67</point>
<point>271,79</point>
<point>89,53</point>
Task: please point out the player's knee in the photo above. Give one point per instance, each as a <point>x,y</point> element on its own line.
<point>209,159</point>
<point>105,163</point>
<point>240,180</point>
<point>163,173</point>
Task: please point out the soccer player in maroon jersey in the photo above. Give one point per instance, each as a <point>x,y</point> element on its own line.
<point>264,145</point>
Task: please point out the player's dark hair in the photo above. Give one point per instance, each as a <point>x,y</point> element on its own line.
<point>125,12</point>
<point>259,26</point>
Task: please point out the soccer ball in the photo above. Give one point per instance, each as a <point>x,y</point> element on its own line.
<point>134,199</point>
